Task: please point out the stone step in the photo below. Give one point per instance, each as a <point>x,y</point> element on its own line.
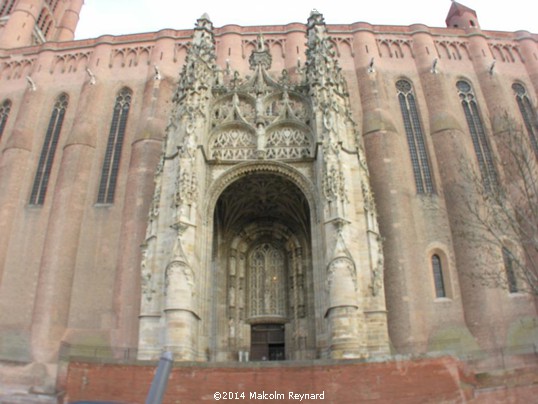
<point>16,395</point>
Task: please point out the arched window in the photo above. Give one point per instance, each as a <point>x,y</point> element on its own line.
<point>46,158</point>
<point>44,22</point>
<point>267,280</point>
<point>415,137</point>
<point>111,163</point>
<point>509,269</point>
<point>4,113</point>
<point>438,280</point>
<point>528,113</point>
<point>478,134</point>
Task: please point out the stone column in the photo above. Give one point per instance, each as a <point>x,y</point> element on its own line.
<point>529,51</point>
<point>395,201</point>
<point>179,308</point>
<point>343,310</point>
<point>68,23</point>
<point>15,164</point>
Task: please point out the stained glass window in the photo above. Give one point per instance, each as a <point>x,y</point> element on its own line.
<point>528,113</point>
<point>478,134</point>
<point>415,137</point>
<point>438,280</point>
<point>4,113</point>
<point>46,159</point>
<point>111,163</point>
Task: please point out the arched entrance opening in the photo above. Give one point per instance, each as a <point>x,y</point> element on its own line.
<point>262,255</point>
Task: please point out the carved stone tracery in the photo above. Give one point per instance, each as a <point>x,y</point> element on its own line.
<point>271,118</point>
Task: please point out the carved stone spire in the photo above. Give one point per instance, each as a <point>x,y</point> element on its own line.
<point>323,73</point>
<point>199,68</point>
<point>327,90</point>
<point>191,104</point>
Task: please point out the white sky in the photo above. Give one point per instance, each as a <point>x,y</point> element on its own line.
<point>118,17</point>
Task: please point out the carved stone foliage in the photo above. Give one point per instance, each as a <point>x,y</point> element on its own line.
<point>146,282</point>
<point>323,73</point>
<point>197,74</point>
<point>154,209</point>
<point>328,90</point>
<point>189,114</point>
<point>270,119</point>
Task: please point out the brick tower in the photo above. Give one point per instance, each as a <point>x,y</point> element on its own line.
<point>31,22</point>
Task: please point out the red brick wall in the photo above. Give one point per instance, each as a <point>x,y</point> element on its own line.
<point>428,380</point>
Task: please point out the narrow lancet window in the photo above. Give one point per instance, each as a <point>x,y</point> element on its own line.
<point>478,134</point>
<point>528,114</point>
<point>415,137</point>
<point>111,162</point>
<point>4,114</point>
<point>438,280</point>
<point>509,269</point>
<point>46,159</point>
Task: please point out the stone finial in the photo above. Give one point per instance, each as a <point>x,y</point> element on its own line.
<point>261,55</point>
<point>316,18</point>
<point>200,66</point>
<point>260,45</point>
<point>204,23</point>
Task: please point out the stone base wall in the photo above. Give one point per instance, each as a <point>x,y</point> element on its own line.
<point>429,380</point>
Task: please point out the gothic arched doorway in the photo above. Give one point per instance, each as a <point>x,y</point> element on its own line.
<point>262,255</point>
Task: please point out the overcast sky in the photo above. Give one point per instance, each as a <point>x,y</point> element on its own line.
<point>117,17</point>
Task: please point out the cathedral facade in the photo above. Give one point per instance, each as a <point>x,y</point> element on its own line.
<point>251,193</point>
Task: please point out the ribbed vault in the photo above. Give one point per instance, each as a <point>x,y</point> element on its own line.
<point>263,197</point>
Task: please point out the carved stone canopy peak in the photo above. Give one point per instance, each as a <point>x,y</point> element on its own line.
<point>247,124</point>
<point>260,58</point>
<point>265,108</point>
<point>263,197</point>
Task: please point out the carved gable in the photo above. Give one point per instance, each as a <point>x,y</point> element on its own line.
<point>260,118</point>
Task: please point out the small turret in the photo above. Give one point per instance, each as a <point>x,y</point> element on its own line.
<point>460,16</point>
